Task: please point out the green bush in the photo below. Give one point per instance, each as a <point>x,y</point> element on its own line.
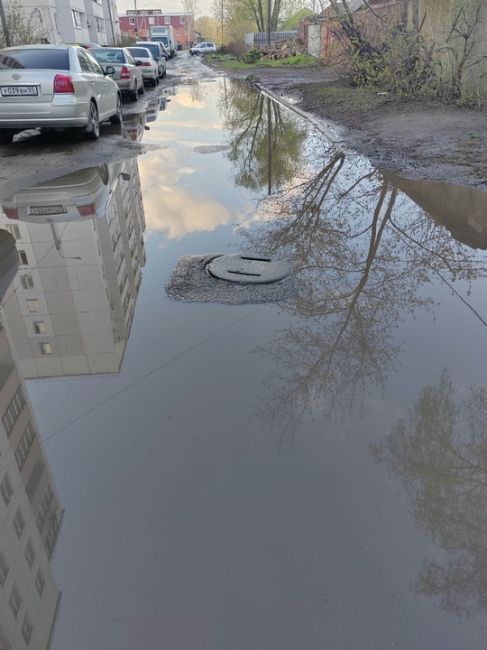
<point>252,56</point>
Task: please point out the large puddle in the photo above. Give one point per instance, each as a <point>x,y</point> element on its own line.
<point>307,473</point>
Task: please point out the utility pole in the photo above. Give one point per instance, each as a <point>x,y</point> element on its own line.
<point>269,9</point>
<point>3,20</point>
<point>136,21</point>
<point>269,147</point>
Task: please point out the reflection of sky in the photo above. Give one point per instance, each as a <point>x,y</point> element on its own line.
<point>186,191</point>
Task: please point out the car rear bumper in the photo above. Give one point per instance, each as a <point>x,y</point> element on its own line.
<point>149,73</point>
<point>125,84</point>
<point>55,114</point>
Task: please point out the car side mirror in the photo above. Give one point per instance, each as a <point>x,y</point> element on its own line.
<point>109,70</point>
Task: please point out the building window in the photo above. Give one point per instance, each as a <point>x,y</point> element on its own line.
<point>56,22</point>
<point>6,489</point>
<point>39,327</point>
<point>33,305</point>
<point>14,231</point>
<point>15,601</point>
<point>45,348</point>
<point>4,569</point>
<point>132,20</point>
<point>40,582</point>
<point>167,20</point>
<point>26,629</point>
<point>27,281</point>
<point>23,257</point>
<point>77,18</point>
<point>24,446</point>
<point>29,554</point>
<point>182,19</point>
<point>9,418</point>
<point>19,523</point>
<point>100,25</point>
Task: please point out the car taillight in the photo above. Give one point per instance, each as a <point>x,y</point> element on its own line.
<point>124,73</point>
<point>63,83</point>
<point>11,213</point>
<point>145,63</point>
<point>87,210</point>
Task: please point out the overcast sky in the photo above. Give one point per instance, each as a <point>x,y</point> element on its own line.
<point>204,6</point>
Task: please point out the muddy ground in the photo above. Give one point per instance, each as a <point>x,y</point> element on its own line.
<point>420,140</point>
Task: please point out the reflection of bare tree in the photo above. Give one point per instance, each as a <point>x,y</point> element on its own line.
<point>440,455</point>
<point>265,141</point>
<point>361,251</point>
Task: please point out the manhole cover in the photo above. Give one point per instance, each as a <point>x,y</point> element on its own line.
<point>248,270</point>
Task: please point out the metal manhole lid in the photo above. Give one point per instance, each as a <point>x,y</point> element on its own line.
<point>248,270</point>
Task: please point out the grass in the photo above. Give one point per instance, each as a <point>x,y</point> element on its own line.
<point>232,63</point>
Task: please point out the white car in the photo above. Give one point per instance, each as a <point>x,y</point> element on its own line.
<point>158,54</point>
<point>203,48</point>
<point>55,87</point>
<point>143,58</point>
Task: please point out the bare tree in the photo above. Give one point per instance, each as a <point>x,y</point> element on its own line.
<point>18,29</point>
<point>190,8</point>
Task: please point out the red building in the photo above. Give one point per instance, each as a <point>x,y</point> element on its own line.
<point>182,23</point>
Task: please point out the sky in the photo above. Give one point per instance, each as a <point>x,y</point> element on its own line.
<point>204,6</point>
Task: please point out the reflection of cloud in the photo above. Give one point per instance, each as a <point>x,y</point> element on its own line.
<point>174,209</point>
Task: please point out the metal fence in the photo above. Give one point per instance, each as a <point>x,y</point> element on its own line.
<point>260,38</point>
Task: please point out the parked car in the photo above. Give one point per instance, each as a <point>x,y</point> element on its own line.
<point>55,87</point>
<point>164,40</point>
<point>83,194</point>
<point>147,63</point>
<point>203,48</point>
<point>128,74</point>
<point>158,53</point>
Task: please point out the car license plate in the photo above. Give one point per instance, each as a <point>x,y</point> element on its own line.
<point>22,91</point>
<point>47,209</point>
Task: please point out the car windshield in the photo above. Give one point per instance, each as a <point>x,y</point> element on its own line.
<point>37,59</point>
<point>154,49</point>
<point>141,52</point>
<point>106,55</point>
<point>161,39</point>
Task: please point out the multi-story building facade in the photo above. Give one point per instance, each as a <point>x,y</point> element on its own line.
<point>30,519</point>
<point>137,24</point>
<point>78,281</point>
<point>74,21</point>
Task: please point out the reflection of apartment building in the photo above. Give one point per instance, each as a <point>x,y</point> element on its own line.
<point>30,519</point>
<point>75,292</point>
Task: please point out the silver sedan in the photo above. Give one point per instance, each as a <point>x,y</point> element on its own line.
<point>128,74</point>
<point>55,87</point>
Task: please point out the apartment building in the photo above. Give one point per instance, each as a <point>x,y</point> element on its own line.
<point>74,21</point>
<point>76,289</point>
<point>30,519</point>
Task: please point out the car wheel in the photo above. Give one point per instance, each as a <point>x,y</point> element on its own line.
<point>142,89</point>
<point>157,81</point>
<point>6,136</point>
<point>92,131</point>
<point>117,118</point>
<point>154,82</point>
<point>134,95</point>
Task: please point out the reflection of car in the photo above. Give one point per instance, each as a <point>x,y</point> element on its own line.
<point>148,65</point>
<point>152,110</point>
<point>158,54</point>
<point>128,75</point>
<point>55,86</point>
<point>82,194</point>
<point>203,48</point>
<point>133,126</point>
